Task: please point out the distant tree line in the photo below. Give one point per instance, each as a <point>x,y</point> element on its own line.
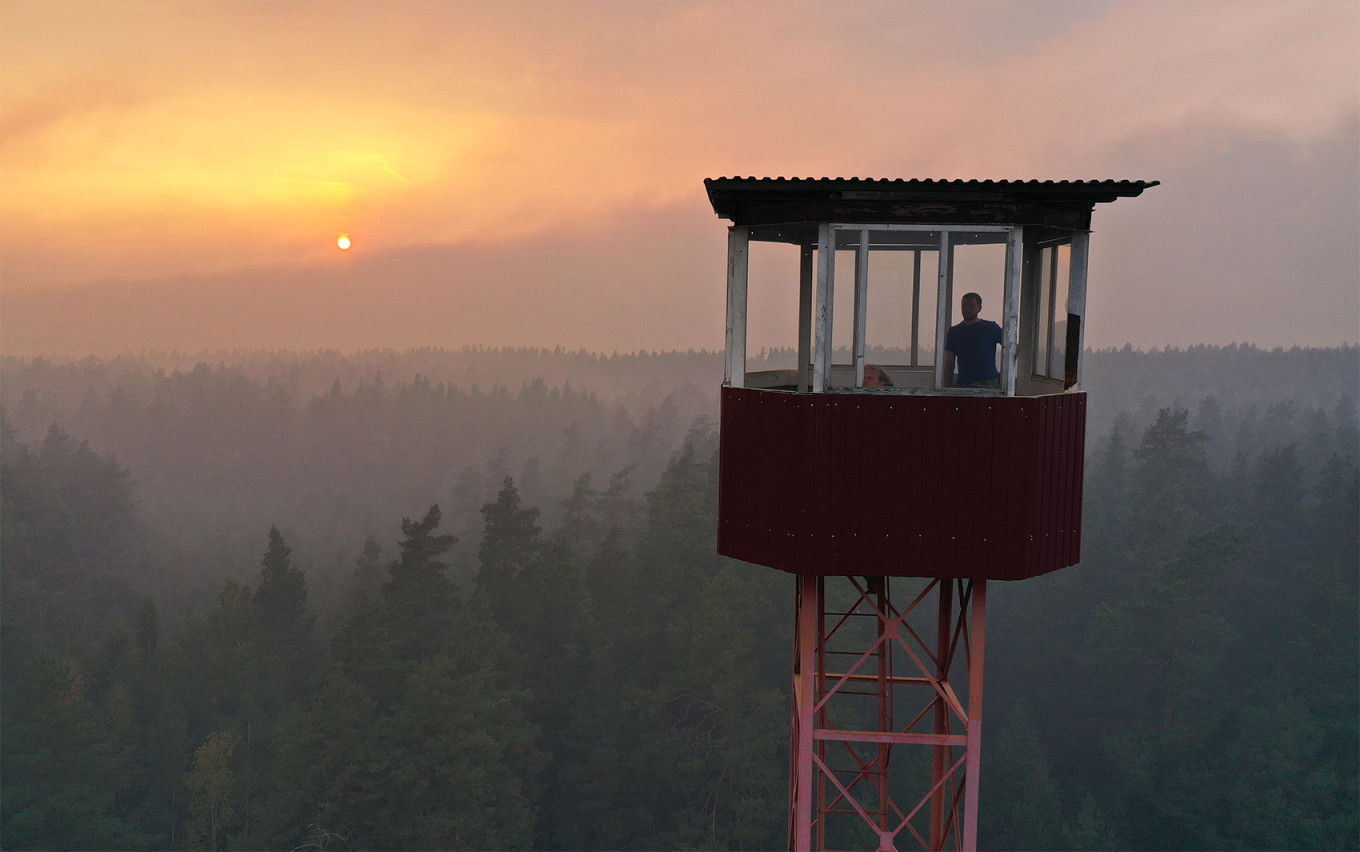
<point>570,665</point>
<point>611,684</point>
<point>216,453</point>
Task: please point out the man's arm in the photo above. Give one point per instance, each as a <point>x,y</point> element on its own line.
<point>948,369</point>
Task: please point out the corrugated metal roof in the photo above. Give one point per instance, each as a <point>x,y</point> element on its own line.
<point>806,199</point>
<point>1122,188</point>
<point>940,181</point>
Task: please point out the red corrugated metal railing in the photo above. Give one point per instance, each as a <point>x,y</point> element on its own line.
<point>883,484</point>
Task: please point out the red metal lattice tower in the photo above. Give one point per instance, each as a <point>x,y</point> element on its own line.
<point>894,506</point>
<point>842,781</point>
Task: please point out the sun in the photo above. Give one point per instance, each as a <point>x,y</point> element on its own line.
<point>343,242</point>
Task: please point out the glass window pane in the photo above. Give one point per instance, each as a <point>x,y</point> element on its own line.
<point>928,308</point>
<point>887,333</point>
<point>892,289</point>
<point>843,315</point>
<point>979,269</point>
<point>1042,272</point>
<point>772,306</point>
<point>1056,361</point>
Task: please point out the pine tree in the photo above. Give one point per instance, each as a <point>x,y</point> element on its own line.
<point>418,598</point>
<point>280,601</point>
<point>366,581</point>
<point>1170,484</point>
<point>510,544</point>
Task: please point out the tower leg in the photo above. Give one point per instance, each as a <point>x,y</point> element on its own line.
<point>974,770</point>
<point>866,659</point>
<point>808,605</point>
<point>944,623</point>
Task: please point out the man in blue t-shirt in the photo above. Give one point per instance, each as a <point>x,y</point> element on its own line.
<point>972,344</point>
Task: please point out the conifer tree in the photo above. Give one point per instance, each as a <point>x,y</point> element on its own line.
<point>366,581</point>
<point>1170,483</point>
<point>510,543</point>
<point>280,600</point>
<point>418,597</point>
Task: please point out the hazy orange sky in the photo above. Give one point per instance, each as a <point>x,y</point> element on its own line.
<point>175,174</point>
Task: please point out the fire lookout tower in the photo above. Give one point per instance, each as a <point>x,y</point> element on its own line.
<point>892,492</point>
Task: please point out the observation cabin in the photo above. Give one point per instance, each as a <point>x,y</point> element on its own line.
<point>823,472</point>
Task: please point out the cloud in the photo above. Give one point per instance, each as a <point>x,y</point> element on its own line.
<point>648,279</point>
<point>188,149</point>
<point>1253,236</point>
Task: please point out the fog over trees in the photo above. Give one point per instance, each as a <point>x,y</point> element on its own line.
<point>470,599</point>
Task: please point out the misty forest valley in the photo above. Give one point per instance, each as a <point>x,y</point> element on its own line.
<point>470,599</point>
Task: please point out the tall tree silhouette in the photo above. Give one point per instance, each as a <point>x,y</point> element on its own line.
<point>418,597</point>
<point>280,601</point>
<point>1170,483</point>
<point>510,543</point>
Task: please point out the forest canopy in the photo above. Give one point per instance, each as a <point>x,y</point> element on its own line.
<point>471,599</point>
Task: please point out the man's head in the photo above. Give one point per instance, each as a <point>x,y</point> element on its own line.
<point>970,306</point>
<point>876,377</point>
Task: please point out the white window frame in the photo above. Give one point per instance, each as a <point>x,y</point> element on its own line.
<point>738,267</point>
<point>817,276</point>
<point>1045,326</point>
<point>826,285</point>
